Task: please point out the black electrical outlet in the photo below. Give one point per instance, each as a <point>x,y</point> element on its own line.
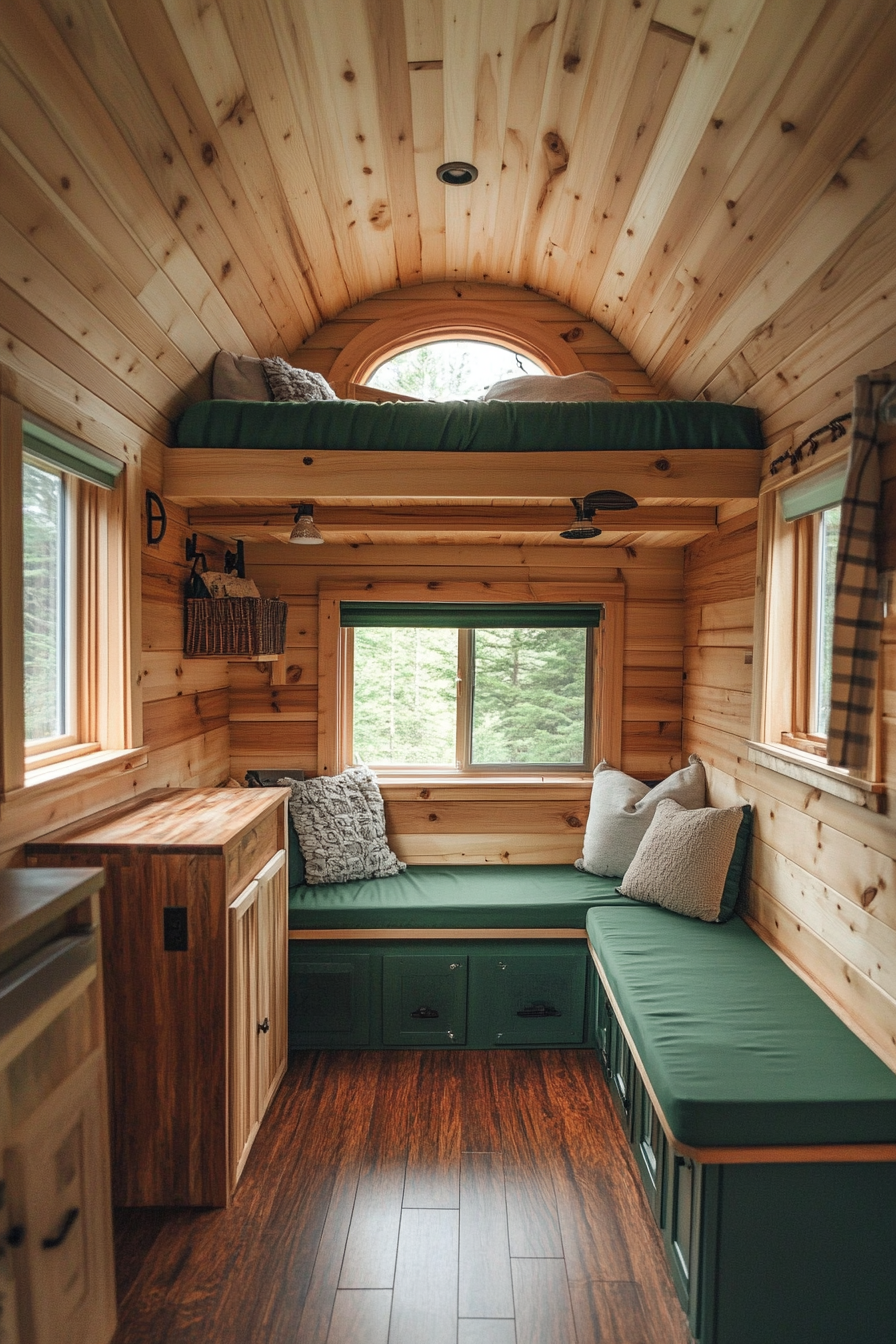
<point>175,928</point>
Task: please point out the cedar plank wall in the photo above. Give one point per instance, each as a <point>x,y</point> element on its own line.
<point>277,725</point>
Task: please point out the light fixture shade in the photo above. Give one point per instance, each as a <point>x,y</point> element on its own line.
<point>304,533</point>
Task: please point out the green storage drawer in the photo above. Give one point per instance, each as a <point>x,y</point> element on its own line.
<point>329,997</point>
<point>649,1147</point>
<point>528,998</point>
<point>424,999</point>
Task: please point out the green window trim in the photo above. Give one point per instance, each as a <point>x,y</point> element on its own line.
<point>470,615</point>
<point>64,451</point>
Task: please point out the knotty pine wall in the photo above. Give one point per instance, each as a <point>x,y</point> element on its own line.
<point>823,877</point>
<point>276,725</point>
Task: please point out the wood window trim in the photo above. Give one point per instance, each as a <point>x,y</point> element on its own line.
<point>335,647</point>
<point>441,322</point>
<point>779,730</point>
<point>109,713</point>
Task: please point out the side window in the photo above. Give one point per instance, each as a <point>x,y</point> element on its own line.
<point>49,586</point>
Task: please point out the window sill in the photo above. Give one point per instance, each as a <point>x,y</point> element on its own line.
<point>809,769</point>
<point>65,775</point>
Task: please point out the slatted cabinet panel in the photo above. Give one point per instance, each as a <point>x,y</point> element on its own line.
<point>271,1025</point>
<point>245,1111</point>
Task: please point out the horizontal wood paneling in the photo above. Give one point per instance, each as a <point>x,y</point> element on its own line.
<point>823,875</point>
<point>274,726</point>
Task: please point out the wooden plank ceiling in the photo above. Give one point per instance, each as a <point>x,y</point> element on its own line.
<point>711,181</point>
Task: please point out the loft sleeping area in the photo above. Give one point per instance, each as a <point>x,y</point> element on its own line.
<point>447,672</point>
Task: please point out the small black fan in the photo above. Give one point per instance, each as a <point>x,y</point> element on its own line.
<point>605,501</point>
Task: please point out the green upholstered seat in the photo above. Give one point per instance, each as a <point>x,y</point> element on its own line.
<point>738,1049</point>
<point>532,896</point>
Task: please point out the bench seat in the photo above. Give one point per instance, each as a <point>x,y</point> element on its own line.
<point>528,896</point>
<point>738,1050</point>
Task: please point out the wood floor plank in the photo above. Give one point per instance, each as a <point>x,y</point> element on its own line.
<point>434,1132</point>
<point>485,1287</point>
<point>480,1114</point>
<point>360,1316</point>
<point>424,1301</point>
<point>541,1297</point>
<point>611,1313</point>
<point>369,1260</point>
<point>486,1332</point>
<point>527,1135</point>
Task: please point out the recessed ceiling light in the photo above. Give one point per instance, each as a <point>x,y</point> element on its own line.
<point>457,173</point>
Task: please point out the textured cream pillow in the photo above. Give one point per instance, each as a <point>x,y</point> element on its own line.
<point>585,386</point>
<point>622,808</point>
<point>340,822</point>
<point>287,383</point>
<point>683,860</point>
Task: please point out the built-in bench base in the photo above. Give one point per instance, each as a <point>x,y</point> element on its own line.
<point>786,1241</point>
<point>455,993</point>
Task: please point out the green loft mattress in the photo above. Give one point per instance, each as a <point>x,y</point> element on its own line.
<point>526,897</point>
<point>469,426</point>
<point>738,1049</point>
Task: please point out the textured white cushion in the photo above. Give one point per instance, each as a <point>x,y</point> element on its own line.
<point>287,383</point>
<point>683,860</point>
<point>341,826</point>
<point>584,386</point>
<point>622,808</point>
<point>238,378</point>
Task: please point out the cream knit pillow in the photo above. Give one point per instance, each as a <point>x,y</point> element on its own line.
<point>341,826</point>
<point>683,860</point>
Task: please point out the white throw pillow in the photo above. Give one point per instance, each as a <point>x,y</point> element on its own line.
<point>341,826</point>
<point>683,860</point>
<point>584,386</point>
<point>622,808</point>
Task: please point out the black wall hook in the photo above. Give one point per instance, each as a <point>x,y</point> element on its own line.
<point>155,514</point>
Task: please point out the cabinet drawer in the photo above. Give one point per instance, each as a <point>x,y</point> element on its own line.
<point>424,999</point>
<point>532,998</point>
<point>329,998</point>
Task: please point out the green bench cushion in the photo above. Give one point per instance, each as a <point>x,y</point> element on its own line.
<point>531,896</point>
<point>738,1049</point>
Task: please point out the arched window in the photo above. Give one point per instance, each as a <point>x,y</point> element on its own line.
<point>451,370</point>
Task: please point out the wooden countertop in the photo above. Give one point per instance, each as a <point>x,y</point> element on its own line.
<point>198,820</point>
<point>33,897</point>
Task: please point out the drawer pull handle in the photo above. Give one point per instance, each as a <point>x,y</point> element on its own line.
<point>265,1026</point>
<point>540,1009</point>
<point>425,1012</point>
<point>15,1236</point>
<point>68,1222</point>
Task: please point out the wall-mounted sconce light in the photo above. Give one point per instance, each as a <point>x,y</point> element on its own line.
<point>304,532</point>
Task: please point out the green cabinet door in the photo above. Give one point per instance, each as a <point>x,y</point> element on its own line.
<point>603,1013</point>
<point>649,1145</point>
<point>528,998</point>
<point>622,1074</point>
<point>424,999</point>
<point>329,997</point>
<point>682,1232</point>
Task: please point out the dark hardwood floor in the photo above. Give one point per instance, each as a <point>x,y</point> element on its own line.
<point>414,1197</point>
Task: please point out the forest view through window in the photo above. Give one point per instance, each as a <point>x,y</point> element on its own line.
<point>450,370</point>
<point>44,584</point>
<point>467,698</point>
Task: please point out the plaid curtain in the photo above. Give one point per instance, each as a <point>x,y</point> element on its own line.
<point>858,610</point>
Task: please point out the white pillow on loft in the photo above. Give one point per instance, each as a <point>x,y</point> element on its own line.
<point>584,386</point>
<point>622,808</point>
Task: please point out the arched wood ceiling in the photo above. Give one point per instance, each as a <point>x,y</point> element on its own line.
<point>710,181</point>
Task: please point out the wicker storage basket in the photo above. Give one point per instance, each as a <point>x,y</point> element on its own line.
<point>234,627</point>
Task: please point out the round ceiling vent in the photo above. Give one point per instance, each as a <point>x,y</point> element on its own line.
<point>457,173</point>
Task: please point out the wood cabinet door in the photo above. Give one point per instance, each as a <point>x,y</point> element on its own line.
<point>57,1172</point>
<point>245,1110</point>
<point>271,1026</point>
